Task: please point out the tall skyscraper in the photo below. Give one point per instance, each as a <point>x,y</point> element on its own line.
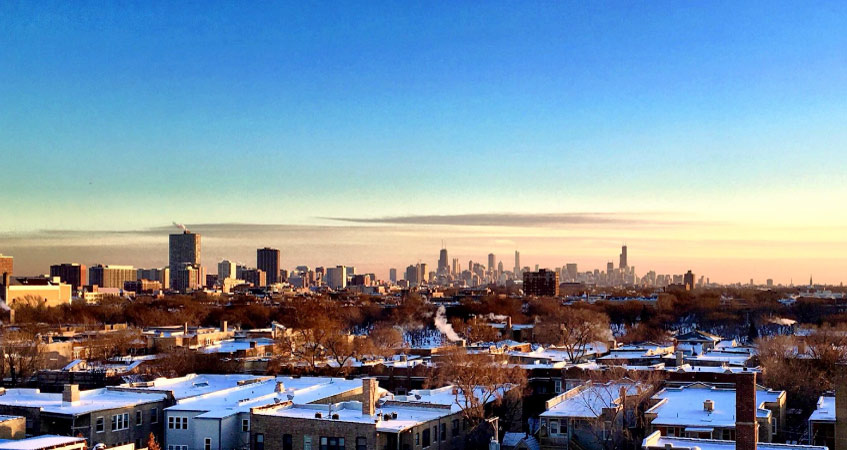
<point>456,270</point>
<point>267,259</point>
<point>336,277</point>
<point>688,280</point>
<point>392,275</point>
<point>183,250</point>
<point>443,264</point>
<point>412,278</point>
<point>517,263</point>
<point>572,271</point>
<point>491,263</point>
<point>623,263</point>
<point>74,274</point>
<point>111,276</point>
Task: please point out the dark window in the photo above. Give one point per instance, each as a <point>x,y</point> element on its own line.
<point>426,437</point>
<point>100,425</point>
<point>259,442</point>
<point>443,431</point>
<point>138,419</point>
<point>287,442</point>
<point>455,427</point>
<point>207,444</point>
<point>332,443</point>
<point>361,443</point>
<point>154,415</point>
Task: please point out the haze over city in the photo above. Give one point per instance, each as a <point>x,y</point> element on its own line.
<point>707,137</point>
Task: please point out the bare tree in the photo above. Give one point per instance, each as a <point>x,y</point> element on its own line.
<point>573,329</point>
<point>22,354</point>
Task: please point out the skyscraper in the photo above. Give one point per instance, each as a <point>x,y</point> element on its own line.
<point>541,283</point>
<point>226,269</point>
<point>491,264</point>
<point>111,276</point>
<point>443,264</point>
<point>267,259</point>
<point>392,275</point>
<point>623,263</point>
<point>183,250</point>
<point>688,280</point>
<point>517,263</point>
<point>572,271</point>
<point>456,270</point>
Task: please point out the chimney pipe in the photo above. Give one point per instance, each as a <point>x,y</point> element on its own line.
<point>369,396</point>
<point>185,328</point>
<point>224,326</point>
<point>679,359</point>
<point>70,393</point>
<point>509,322</point>
<point>746,427</point>
<point>280,387</point>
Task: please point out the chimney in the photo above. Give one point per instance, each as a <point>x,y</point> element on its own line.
<point>185,328</point>
<point>841,415</point>
<point>708,405</point>
<point>224,326</point>
<point>252,344</point>
<point>369,396</point>
<point>679,359</point>
<point>746,427</point>
<point>280,387</point>
<point>70,393</point>
<point>509,322</point>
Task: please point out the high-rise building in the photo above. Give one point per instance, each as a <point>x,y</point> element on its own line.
<point>688,280</point>
<point>500,267</point>
<point>572,271</point>
<point>187,278</point>
<point>422,273</point>
<point>623,262</point>
<point>73,274</point>
<point>267,259</point>
<point>412,275</point>
<point>491,263</point>
<point>392,275</point>
<point>541,283</point>
<point>610,267</point>
<point>443,264</point>
<point>336,277</point>
<point>456,267</point>
<point>111,276</point>
<point>183,250</point>
<point>226,269</point>
<point>163,276</point>
<point>257,277</point>
<point>517,263</point>
<point>7,263</point>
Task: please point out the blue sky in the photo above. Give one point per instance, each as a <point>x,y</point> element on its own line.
<point>131,115</point>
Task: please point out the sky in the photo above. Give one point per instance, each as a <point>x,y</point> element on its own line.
<point>707,136</point>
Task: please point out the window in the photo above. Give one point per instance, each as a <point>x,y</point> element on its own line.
<point>557,386</point>
<point>361,443</point>
<point>417,439</point>
<point>171,423</point>
<point>138,418</point>
<point>138,443</point>
<point>170,447</point>
<point>287,442</point>
<point>455,427</point>
<point>177,423</point>
<point>426,438</point>
<point>207,444</point>
<point>245,425</point>
<point>554,426</point>
<point>154,415</point>
<point>443,431</point>
<point>100,425</point>
<point>332,443</point>
<point>120,422</point>
<point>185,423</point>
<point>307,442</point>
<point>259,442</point>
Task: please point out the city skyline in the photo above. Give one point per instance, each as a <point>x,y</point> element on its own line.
<point>708,137</point>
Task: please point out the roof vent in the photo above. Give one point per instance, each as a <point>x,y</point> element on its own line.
<point>708,406</point>
<point>335,417</point>
<point>318,415</point>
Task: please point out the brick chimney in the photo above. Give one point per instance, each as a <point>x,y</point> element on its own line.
<point>746,427</point>
<point>369,396</point>
<point>679,359</point>
<point>185,328</point>
<point>280,387</point>
<point>841,415</point>
<point>70,393</point>
<point>224,326</point>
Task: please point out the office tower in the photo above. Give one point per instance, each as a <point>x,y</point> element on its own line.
<point>163,276</point>
<point>412,278</point>
<point>623,262</point>
<point>226,269</point>
<point>187,278</point>
<point>183,249</point>
<point>572,271</point>
<point>111,276</point>
<point>443,264</point>
<point>256,277</point>
<point>7,263</point>
<point>392,275</point>
<point>422,272</point>
<point>517,263</point>
<point>70,273</point>
<point>456,267</point>
<point>541,283</point>
<point>688,280</point>
<point>267,259</point>
<point>336,277</point>
<point>500,268</point>
<point>769,282</point>
<point>491,263</point>
<point>610,267</point>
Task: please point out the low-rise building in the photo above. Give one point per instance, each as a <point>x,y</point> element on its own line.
<point>12,427</point>
<point>39,291</point>
<point>46,442</point>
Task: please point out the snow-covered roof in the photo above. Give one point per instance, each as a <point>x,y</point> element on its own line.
<point>240,399</point>
<point>445,396</point>
<point>89,401</point>
<point>40,442</point>
<point>235,345</point>
<point>512,439</point>
<point>194,384</point>
<point>657,441</point>
<point>825,410</point>
<point>408,415</point>
<point>683,406</point>
<point>588,400</point>
<point>4,418</point>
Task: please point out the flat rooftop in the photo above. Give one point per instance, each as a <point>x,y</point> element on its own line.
<point>194,384</point>
<point>89,401</point>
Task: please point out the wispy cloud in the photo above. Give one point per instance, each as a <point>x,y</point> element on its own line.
<point>515,220</point>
